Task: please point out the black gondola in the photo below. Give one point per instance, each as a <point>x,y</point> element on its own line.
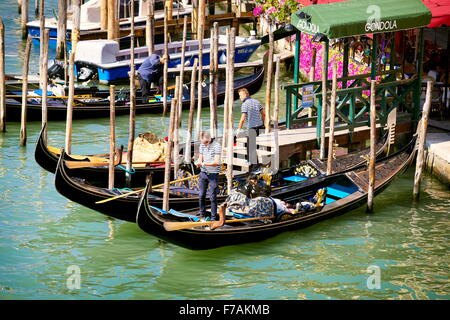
<point>151,219</point>
<point>183,198</point>
<point>97,104</point>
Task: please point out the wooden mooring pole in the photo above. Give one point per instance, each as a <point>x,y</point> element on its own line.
<point>23,118</point>
<point>41,39</point>
<point>24,19</point>
<point>112,135</point>
<point>269,78</point>
<point>132,126</point>
<point>332,118</point>
<point>104,14</point>
<point>187,149</point>
<point>226,104</point>
<point>166,62</point>
<point>61,30</point>
<point>2,78</point>
<point>112,20</point>
<point>69,118</point>
<point>44,81</point>
<point>213,74</point>
<point>36,8</point>
<point>276,105</point>
<point>149,27</point>
<point>324,103</point>
<point>312,74</point>
<point>230,76</point>
<point>200,79</point>
<point>176,130</point>
<point>168,167</point>
<point>372,154</point>
<point>421,143</point>
<point>76,18</point>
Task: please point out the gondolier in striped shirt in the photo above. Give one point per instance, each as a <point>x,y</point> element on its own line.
<point>209,162</point>
<point>252,111</point>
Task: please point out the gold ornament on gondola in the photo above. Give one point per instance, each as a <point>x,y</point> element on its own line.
<point>306,171</point>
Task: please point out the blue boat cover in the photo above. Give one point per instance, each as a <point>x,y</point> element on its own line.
<point>295,178</point>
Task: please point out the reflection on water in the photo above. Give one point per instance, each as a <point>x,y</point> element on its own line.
<point>42,234</point>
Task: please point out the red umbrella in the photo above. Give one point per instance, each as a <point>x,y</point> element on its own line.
<point>440,10</point>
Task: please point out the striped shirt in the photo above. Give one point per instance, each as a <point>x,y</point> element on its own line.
<point>252,108</point>
<point>209,152</point>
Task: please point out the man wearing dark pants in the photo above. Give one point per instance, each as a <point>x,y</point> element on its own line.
<point>209,162</point>
<point>252,111</point>
<point>151,71</point>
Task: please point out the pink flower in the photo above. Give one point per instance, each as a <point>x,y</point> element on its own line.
<point>271,10</point>
<point>257,11</point>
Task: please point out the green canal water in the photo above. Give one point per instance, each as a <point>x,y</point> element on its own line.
<point>43,235</point>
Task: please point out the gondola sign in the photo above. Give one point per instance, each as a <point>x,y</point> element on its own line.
<point>308,96</point>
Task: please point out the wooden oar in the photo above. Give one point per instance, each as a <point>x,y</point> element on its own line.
<point>140,190</point>
<point>52,97</point>
<point>85,164</point>
<point>172,226</point>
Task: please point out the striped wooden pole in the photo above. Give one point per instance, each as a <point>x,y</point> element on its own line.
<point>188,153</point>
<point>23,118</point>
<point>61,30</point>
<point>112,135</point>
<point>332,116</point>
<point>2,78</point>
<point>372,155</point>
<point>69,118</point>
<point>44,81</point>
<point>421,143</point>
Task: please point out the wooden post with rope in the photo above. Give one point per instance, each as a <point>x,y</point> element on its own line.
<point>230,76</point>
<point>421,143</point>
<point>269,78</point>
<point>112,135</point>
<point>61,30</point>
<point>332,118</point>
<point>44,81</point>
<point>23,118</point>
<point>372,154</point>
<point>69,118</point>
<point>2,78</point>
<point>188,151</point>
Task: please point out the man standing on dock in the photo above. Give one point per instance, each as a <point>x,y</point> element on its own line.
<point>209,162</point>
<point>151,71</point>
<point>252,111</point>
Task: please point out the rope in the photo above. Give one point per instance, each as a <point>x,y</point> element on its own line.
<point>125,169</point>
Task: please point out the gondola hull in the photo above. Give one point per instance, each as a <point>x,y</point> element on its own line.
<point>125,208</point>
<point>151,220</point>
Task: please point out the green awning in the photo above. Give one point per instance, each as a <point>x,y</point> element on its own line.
<point>357,17</point>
